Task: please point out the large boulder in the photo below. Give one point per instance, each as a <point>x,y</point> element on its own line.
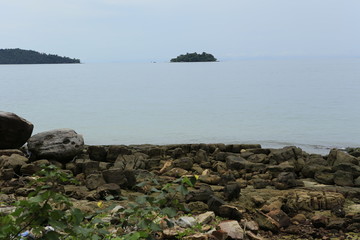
<point>60,144</point>
<point>14,130</point>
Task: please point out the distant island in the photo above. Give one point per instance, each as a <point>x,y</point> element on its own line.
<point>195,57</point>
<point>20,56</point>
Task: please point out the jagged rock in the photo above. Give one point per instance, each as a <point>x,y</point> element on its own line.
<point>29,169</point>
<point>186,222</point>
<point>93,181</point>
<point>260,183</point>
<point>259,158</point>
<point>357,182</point>
<point>348,167</point>
<point>313,200</point>
<point>97,153</point>
<point>210,179</point>
<point>114,175</point>
<point>237,163</point>
<point>280,217</point>
<point>131,162</point>
<point>230,212</point>
<point>205,218</point>
<point>278,156</point>
<point>325,176</point>
<point>215,203</point>
<point>287,180</point>
<point>337,157</point>
<point>116,150</point>
<point>108,189</point>
<point>275,170</point>
<point>14,162</point>
<point>176,172</point>
<point>184,163</point>
<point>201,156</point>
<point>342,178</point>
<point>77,192</point>
<point>203,194</point>
<point>14,130</point>
<point>232,228</point>
<point>320,221</point>
<point>9,152</point>
<point>265,222</point>
<point>249,225</point>
<point>61,144</point>
<point>89,166</point>
<point>218,235</point>
<point>197,206</point>
<point>232,191</point>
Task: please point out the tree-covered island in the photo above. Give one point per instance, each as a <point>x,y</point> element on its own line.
<point>20,56</point>
<point>195,57</point>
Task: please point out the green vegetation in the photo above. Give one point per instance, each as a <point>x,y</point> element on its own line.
<point>20,56</point>
<point>195,57</point>
<point>48,214</point>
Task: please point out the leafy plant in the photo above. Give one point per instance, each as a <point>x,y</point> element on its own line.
<point>47,206</point>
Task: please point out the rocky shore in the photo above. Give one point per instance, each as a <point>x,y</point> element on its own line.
<point>243,191</point>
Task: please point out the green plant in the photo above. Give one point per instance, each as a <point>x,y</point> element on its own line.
<point>145,216</point>
<point>47,206</point>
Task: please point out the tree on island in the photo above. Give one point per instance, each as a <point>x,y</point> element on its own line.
<point>194,57</point>
<point>20,56</point>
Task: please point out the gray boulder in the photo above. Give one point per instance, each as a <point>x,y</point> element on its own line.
<point>60,144</point>
<point>14,130</point>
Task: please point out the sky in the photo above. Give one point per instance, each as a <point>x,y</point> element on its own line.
<point>158,30</point>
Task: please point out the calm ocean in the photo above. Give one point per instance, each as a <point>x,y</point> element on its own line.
<point>313,104</point>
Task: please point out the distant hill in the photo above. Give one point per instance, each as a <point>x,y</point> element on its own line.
<point>20,56</point>
<point>194,57</point>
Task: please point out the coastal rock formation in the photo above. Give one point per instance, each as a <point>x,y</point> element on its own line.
<point>14,130</point>
<point>268,192</point>
<point>61,144</point>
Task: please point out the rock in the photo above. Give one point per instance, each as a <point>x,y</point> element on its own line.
<point>205,218</point>
<point>201,156</point>
<point>232,191</point>
<point>93,181</point>
<point>203,194</point>
<point>7,174</point>
<point>337,157</point>
<point>342,178</point>
<point>110,189</point>
<point>9,152</point>
<point>324,176</point>
<point>184,163</point>
<point>238,163</point>
<point>29,169</point>
<point>97,153</point>
<point>14,130</point>
<point>219,235</point>
<point>171,233</point>
<point>176,172</point>
<point>313,200</point>
<point>131,162</point>
<point>319,221</point>
<point>260,183</point>
<point>265,222</point>
<point>14,162</point>
<point>116,150</point>
<point>186,222</point>
<point>61,144</point>
<point>259,158</point>
<point>298,219</point>
<point>232,228</point>
<point>210,179</point>
<point>336,223</point>
<point>348,167</point>
<point>114,175</point>
<point>287,179</point>
<point>357,182</point>
<point>77,192</point>
<point>90,167</point>
<point>197,207</point>
<point>275,170</point>
<point>249,225</point>
<point>280,217</point>
<point>197,236</point>
<point>215,203</point>
<point>230,212</point>
<point>278,156</point>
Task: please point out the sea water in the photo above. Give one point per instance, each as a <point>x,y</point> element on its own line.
<point>313,104</point>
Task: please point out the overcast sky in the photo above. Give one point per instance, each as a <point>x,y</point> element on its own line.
<point>157,30</point>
